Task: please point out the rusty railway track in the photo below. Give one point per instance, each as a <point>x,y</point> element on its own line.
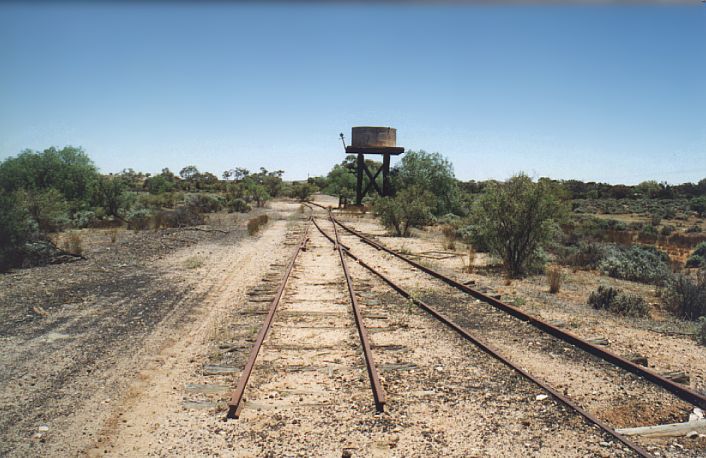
<point>480,343</point>
<point>378,391</point>
<point>235,405</point>
<point>683,392</point>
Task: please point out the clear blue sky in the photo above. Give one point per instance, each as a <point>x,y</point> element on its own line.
<point>615,94</point>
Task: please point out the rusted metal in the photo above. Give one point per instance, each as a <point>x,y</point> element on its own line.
<point>679,390</point>
<point>376,385</point>
<point>235,405</point>
<point>489,349</point>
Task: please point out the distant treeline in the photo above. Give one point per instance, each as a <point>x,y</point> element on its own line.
<point>57,189</point>
<point>577,189</point>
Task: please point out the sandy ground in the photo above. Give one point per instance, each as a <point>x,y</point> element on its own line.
<point>144,362</point>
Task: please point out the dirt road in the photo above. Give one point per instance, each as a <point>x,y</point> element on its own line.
<point>82,341</point>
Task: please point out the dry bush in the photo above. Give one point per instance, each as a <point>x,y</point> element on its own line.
<point>614,300</point>
<point>73,244</point>
<point>554,278</point>
<point>685,295</point>
<point>158,220</point>
<point>468,268</point>
<point>194,262</point>
<point>449,237</point>
<point>254,224</point>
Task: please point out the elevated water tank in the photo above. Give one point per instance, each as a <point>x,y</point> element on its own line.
<point>371,137</point>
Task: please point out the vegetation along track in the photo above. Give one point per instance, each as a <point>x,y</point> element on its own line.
<point>615,391</point>
<point>488,348</point>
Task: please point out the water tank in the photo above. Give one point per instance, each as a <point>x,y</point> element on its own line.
<point>368,137</point>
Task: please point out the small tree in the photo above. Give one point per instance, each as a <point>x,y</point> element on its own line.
<point>409,208</point>
<point>432,173</point>
<point>302,190</point>
<point>112,195</point>
<point>341,183</point>
<point>516,219</point>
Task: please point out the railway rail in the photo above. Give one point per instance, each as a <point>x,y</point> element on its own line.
<point>235,405</point>
<point>376,383</point>
<point>480,343</point>
<point>683,392</point>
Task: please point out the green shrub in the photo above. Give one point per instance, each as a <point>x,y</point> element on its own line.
<point>695,261</point>
<point>204,203</point>
<point>69,171</point>
<point>84,218</point>
<point>429,173</point>
<point>410,208</point>
<point>603,297</point>
<point>159,184</point>
<point>700,249</point>
<point>630,305</point>
<point>693,229</point>
<point>686,295</point>
<point>698,205</point>
<point>48,208</point>
<point>302,190</point>
<point>237,206</point>
<point>163,200</point>
<point>16,228</point>
<point>181,216</point>
<point>111,194</point>
<point>641,264</point>
<point>667,230</point>
<point>139,219</point>
<point>585,254</point>
<point>649,230</point>
<point>615,301</point>
<point>516,219</point>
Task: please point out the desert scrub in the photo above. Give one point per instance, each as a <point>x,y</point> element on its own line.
<point>204,203</point>
<point>468,268</point>
<point>237,206</point>
<point>640,264</point>
<point>698,256</point>
<point>193,262</point>
<point>139,219</point>
<point>516,220</point>
<point>410,208</point>
<point>685,295</point>
<point>584,255</point>
<point>554,278</point>
<point>615,301</point>
<point>73,244</point>
<point>254,224</point>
